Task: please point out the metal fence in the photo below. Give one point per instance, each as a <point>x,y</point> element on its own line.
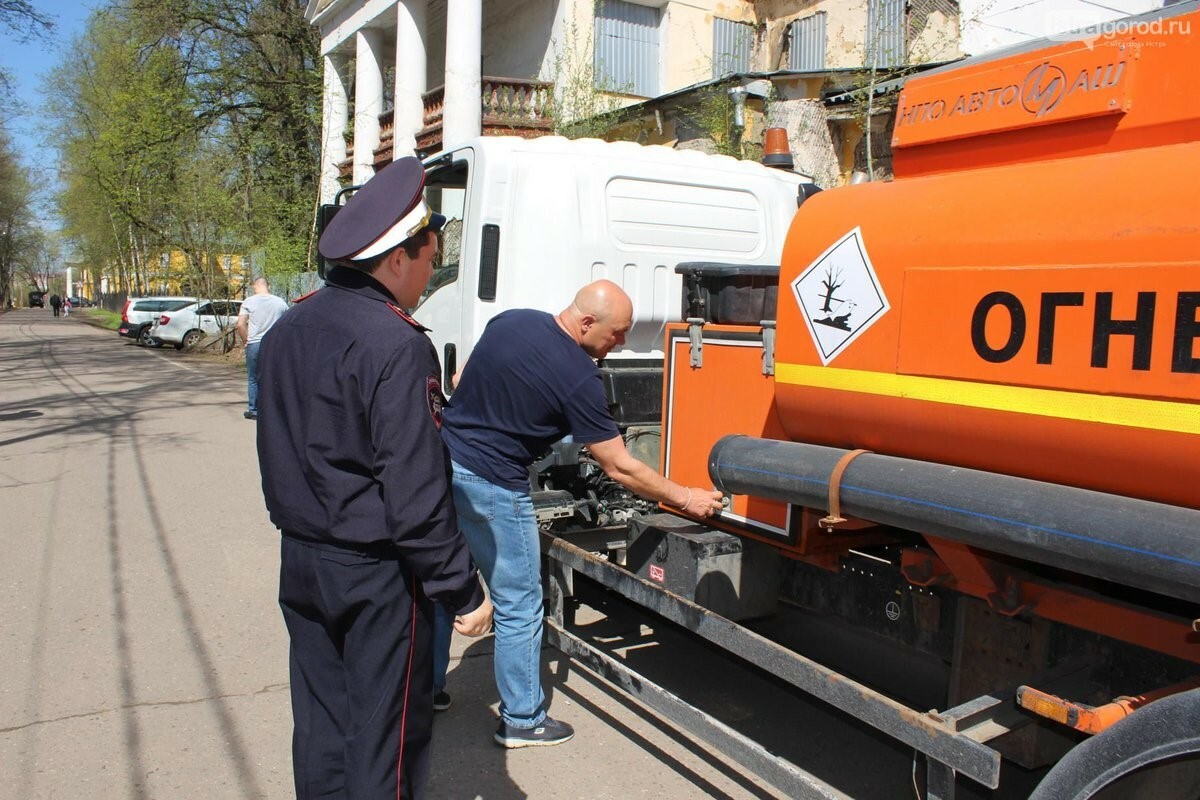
<point>289,288</point>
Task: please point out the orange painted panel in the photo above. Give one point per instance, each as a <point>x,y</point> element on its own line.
<point>1045,88</point>
<point>727,394</point>
<point>1117,233</point>
<point>1128,329</point>
<point>1125,89</point>
<point>1137,462</point>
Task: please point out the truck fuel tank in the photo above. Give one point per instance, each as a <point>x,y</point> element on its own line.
<point>1005,311</point>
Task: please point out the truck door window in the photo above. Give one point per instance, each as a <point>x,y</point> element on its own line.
<point>446,191</point>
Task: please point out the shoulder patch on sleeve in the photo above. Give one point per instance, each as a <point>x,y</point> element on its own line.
<point>437,401</point>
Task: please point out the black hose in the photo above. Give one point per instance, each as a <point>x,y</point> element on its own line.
<point>1133,542</point>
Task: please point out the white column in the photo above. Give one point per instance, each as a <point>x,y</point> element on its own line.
<point>464,89</point>
<point>411,78</point>
<point>368,101</point>
<point>335,114</point>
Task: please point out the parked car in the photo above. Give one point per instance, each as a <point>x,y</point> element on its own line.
<point>189,325</point>
<point>36,300</point>
<point>140,313</point>
<point>80,302</point>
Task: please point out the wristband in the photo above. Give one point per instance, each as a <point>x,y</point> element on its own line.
<point>687,502</point>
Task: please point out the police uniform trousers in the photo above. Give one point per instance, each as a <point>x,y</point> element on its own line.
<point>361,673</point>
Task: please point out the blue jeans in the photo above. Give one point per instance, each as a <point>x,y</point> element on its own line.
<point>443,626</point>
<point>252,377</point>
<point>501,530</point>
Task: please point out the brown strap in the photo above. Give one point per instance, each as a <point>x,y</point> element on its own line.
<point>835,485</point>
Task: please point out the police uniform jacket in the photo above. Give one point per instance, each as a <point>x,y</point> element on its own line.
<point>348,435</point>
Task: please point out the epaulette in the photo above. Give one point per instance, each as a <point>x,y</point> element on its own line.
<point>400,312</point>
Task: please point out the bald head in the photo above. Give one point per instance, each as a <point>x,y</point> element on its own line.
<point>603,300</point>
<point>261,286</point>
<point>598,318</point>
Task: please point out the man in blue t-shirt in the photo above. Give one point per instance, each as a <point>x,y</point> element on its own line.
<point>531,380</point>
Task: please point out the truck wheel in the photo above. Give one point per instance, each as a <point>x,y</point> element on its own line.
<point>192,338</point>
<point>146,340</point>
<point>1152,753</point>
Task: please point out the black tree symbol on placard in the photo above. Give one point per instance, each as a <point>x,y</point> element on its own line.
<point>836,310</point>
<point>830,287</point>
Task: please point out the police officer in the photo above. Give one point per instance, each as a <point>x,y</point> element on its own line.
<point>356,477</point>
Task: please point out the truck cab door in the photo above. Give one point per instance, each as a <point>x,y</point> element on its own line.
<point>445,304</point>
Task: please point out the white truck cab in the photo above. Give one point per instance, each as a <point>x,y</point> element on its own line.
<point>533,220</point>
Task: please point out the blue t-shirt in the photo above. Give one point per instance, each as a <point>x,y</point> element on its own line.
<point>526,385</point>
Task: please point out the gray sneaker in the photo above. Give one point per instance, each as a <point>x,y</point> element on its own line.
<point>551,731</point>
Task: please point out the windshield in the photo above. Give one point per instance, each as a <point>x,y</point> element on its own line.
<point>446,191</point>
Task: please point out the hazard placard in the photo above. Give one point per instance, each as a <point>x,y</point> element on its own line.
<point>840,296</point>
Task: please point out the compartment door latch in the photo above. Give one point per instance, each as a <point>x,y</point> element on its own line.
<point>768,340</point>
<point>696,340</point>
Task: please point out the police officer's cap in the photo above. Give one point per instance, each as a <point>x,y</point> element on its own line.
<point>388,209</point>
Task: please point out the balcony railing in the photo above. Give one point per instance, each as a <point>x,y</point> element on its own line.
<point>508,107</point>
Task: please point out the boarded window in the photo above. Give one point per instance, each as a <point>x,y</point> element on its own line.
<point>806,51</point>
<point>886,33</point>
<point>626,48</point>
<point>732,42</point>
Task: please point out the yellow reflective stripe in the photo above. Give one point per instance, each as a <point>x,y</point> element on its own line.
<point>1107,409</point>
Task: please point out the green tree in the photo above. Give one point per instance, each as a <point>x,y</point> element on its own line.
<point>124,130</point>
<point>191,125</point>
<point>18,234</point>
<point>253,68</point>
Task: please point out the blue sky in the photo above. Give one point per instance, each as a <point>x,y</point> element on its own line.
<point>27,63</point>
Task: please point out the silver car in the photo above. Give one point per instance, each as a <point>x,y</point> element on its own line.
<point>188,326</point>
<point>140,313</point>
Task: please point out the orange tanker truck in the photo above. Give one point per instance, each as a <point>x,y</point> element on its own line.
<point>963,414</point>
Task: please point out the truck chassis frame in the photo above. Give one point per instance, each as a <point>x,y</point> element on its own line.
<point>952,741</point>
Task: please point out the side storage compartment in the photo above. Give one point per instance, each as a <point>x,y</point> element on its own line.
<point>734,577</point>
<point>729,294</point>
<point>730,391</point>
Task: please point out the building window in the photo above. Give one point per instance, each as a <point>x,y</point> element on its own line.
<point>806,50</point>
<point>732,42</point>
<point>886,33</point>
<point>626,48</point>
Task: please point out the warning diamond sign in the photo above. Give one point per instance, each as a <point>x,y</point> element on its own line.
<point>840,296</point>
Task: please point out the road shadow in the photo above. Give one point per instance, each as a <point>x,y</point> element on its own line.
<point>466,762</point>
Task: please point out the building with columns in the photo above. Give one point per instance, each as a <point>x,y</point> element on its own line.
<point>409,76</point>
<point>404,77</point>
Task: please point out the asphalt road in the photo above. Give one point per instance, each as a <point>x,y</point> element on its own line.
<point>142,650</point>
<point>143,654</point>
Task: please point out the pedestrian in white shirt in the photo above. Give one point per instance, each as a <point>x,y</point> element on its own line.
<point>259,312</point>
